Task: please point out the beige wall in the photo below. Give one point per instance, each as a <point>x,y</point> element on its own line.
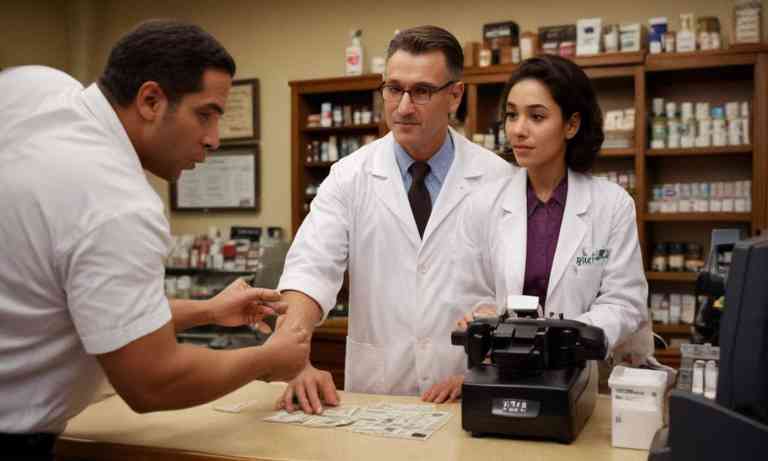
<point>34,32</point>
<point>282,40</point>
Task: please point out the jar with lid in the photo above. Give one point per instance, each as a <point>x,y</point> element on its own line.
<point>675,257</point>
<point>659,260</point>
<point>694,260</point>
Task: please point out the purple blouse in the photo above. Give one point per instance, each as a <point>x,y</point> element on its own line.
<point>543,231</point>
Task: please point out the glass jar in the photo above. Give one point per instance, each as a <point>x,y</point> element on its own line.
<point>675,257</point>
<point>659,260</point>
<point>694,260</point>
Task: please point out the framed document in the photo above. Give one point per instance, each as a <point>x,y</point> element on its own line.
<point>228,180</point>
<point>240,122</point>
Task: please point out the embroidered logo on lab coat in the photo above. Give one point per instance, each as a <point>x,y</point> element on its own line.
<point>599,256</point>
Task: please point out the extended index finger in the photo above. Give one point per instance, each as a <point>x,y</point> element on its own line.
<point>261,294</point>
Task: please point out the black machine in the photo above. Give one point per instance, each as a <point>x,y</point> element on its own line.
<point>539,382</point>
<point>735,426</point>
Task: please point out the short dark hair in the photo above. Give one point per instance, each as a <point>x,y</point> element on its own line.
<point>573,92</point>
<point>424,39</point>
<point>172,53</point>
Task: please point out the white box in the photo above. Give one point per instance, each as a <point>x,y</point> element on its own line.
<point>588,35</point>
<point>637,398</point>
<point>630,37</point>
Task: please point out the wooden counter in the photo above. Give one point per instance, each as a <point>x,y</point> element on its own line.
<point>109,430</point>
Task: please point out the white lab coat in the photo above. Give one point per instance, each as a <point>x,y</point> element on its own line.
<point>597,272</point>
<point>403,300</point>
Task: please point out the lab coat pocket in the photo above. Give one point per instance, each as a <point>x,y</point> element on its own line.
<point>585,282</point>
<point>365,368</point>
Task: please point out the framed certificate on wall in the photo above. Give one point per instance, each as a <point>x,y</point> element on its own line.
<point>228,180</point>
<point>240,121</point>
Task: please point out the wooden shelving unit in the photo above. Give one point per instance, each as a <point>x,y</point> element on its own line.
<point>622,80</point>
<point>306,98</point>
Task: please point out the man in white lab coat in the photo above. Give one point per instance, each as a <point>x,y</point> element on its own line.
<point>388,213</point>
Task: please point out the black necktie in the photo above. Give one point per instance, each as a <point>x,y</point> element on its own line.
<point>418,195</point>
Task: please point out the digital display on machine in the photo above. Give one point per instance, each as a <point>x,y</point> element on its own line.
<point>515,408</point>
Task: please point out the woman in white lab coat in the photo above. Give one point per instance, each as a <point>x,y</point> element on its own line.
<point>551,230</point>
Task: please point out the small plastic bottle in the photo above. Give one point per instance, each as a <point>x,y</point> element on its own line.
<point>710,380</point>
<point>697,386</point>
<point>354,55</point>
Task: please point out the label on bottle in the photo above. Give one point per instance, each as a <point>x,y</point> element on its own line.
<point>354,60</point>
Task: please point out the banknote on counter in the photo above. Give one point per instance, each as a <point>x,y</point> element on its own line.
<point>406,421</point>
<point>331,417</point>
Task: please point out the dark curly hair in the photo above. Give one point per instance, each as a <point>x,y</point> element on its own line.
<point>573,92</point>
<point>172,53</point>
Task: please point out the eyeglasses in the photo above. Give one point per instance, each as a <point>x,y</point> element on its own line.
<point>420,94</point>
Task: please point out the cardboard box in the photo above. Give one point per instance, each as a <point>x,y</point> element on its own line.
<point>498,34</point>
<point>588,36</point>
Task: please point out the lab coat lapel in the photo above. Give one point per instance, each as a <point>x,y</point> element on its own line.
<point>388,186</point>
<point>572,229</point>
<point>514,229</point>
<point>463,174</point>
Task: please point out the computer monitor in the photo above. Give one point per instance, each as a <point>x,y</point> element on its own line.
<point>743,378</point>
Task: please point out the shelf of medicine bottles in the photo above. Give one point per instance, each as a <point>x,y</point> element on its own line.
<point>672,329</point>
<point>341,129</point>
<point>618,153</point>
<point>196,271</point>
<point>701,151</point>
<point>699,217</point>
<point>734,56</point>
<point>688,277</point>
<point>318,164</point>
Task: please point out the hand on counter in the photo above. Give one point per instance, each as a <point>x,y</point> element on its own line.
<point>288,353</point>
<point>483,310</point>
<point>310,388</point>
<point>446,391</point>
<point>240,304</point>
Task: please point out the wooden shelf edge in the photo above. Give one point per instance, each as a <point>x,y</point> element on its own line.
<point>334,326</point>
<point>670,352</point>
<point>627,152</point>
<point>698,217</point>
<point>688,277</point>
<point>700,151</point>
<point>353,83</point>
<point>611,59</point>
<point>733,56</point>
<point>679,329</point>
